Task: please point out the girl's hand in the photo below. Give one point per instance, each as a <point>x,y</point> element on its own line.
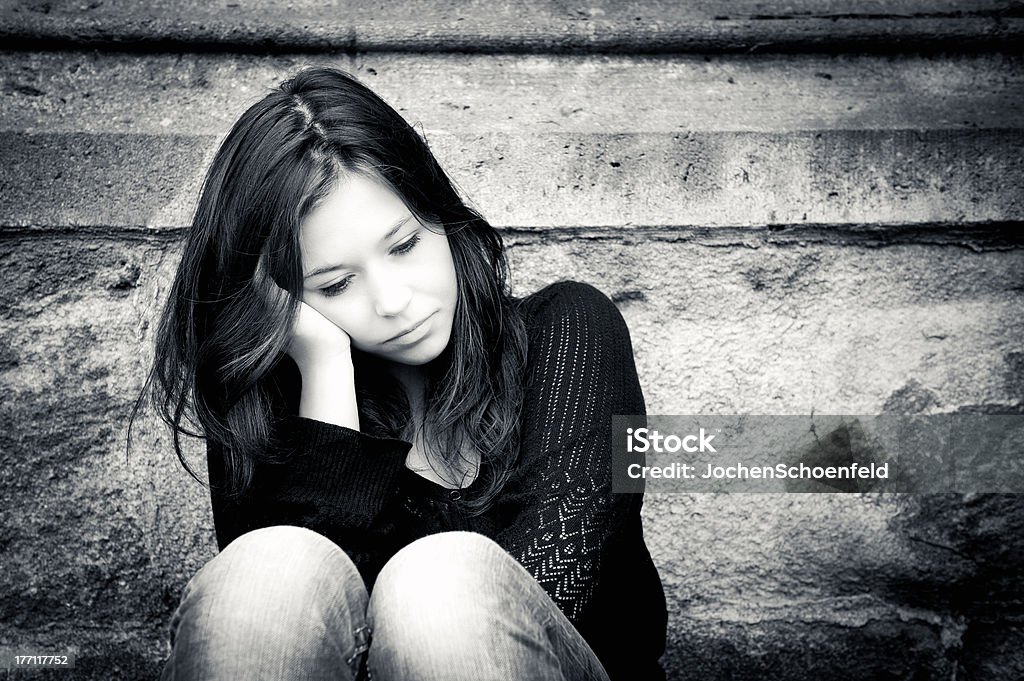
<point>316,342</point>
<point>323,353</point>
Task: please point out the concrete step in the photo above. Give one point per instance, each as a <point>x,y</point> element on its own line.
<point>533,26</point>
<point>545,143</point>
<point>565,183</point>
<point>202,94</point>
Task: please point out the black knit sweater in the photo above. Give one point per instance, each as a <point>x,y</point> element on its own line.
<point>556,515</point>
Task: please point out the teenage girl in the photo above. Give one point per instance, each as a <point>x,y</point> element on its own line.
<point>410,469</point>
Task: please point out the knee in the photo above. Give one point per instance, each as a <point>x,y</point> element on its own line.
<point>279,541</point>
<point>284,571</point>
<point>441,566</point>
<point>273,560</point>
<point>440,609</point>
<point>447,551</point>
<point>440,586</point>
<point>271,596</point>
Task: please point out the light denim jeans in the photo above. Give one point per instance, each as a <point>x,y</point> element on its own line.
<point>286,603</point>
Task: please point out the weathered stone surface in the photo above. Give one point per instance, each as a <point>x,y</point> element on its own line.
<point>202,94</point>
<point>800,327</point>
<point>843,586</point>
<point>544,181</point>
<point>535,26</point>
<point>543,142</point>
<point>783,233</point>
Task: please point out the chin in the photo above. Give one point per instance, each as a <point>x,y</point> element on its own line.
<point>423,353</point>
<point>413,359</point>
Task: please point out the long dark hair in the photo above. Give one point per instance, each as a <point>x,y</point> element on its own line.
<point>223,332</point>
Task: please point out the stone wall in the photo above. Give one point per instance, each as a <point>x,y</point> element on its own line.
<point>799,207</point>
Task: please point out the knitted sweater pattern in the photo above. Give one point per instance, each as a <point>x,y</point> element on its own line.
<point>556,514</point>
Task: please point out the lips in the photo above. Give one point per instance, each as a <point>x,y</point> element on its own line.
<point>412,329</point>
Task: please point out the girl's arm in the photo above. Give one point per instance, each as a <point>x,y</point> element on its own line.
<point>566,519</point>
<point>323,353</point>
<point>328,476</point>
<point>333,480</point>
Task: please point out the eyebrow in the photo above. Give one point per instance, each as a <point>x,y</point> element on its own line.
<point>330,268</point>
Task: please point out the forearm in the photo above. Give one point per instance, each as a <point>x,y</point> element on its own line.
<point>329,394</point>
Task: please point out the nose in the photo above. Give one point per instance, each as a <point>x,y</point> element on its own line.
<point>392,298</point>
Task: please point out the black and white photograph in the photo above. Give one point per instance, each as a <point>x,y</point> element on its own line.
<point>467,340</point>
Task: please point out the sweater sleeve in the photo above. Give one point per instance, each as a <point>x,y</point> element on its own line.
<point>564,511</point>
<point>334,481</point>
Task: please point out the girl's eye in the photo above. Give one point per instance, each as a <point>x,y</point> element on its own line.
<point>337,287</point>
<point>407,245</point>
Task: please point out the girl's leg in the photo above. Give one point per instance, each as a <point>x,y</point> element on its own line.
<point>278,603</point>
<point>455,606</point>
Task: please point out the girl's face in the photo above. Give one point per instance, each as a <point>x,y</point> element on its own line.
<point>377,273</point>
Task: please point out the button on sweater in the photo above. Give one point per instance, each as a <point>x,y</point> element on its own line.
<point>557,514</point>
